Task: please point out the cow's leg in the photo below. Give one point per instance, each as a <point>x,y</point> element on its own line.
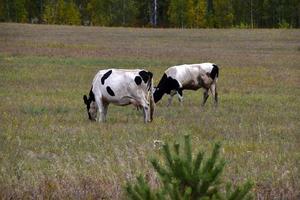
<point>213,89</point>
<point>104,111</point>
<point>170,100</point>
<point>172,93</point>
<point>205,96</point>
<point>152,105</point>
<point>180,96</point>
<point>146,111</point>
<point>102,107</point>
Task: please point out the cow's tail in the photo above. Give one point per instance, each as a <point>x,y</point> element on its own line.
<point>150,97</point>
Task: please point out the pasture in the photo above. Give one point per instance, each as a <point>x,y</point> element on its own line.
<point>49,148</point>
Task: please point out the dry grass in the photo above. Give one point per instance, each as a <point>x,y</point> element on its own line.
<point>48,148</point>
<point>228,47</point>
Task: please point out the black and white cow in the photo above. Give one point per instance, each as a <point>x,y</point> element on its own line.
<point>120,87</point>
<point>188,77</point>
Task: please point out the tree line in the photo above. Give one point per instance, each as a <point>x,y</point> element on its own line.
<point>156,13</point>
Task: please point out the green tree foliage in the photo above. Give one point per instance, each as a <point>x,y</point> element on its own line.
<point>61,12</point>
<point>13,10</point>
<point>190,13</point>
<point>125,12</point>
<point>49,14</point>
<point>34,10</point>
<point>71,14</point>
<point>113,12</point>
<point>184,177</point>
<point>170,13</point>
<point>163,6</point>
<point>20,11</point>
<point>100,12</point>
<point>200,7</point>
<point>241,9</point>
<point>143,12</point>
<point>223,14</point>
<point>82,7</point>
<point>2,11</point>
<point>210,19</point>
<point>178,13</point>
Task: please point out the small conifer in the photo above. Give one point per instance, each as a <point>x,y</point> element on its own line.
<point>184,177</point>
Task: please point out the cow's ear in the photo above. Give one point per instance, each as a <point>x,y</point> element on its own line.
<point>85,99</point>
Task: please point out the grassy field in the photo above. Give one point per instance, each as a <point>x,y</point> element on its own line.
<point>49,149</point>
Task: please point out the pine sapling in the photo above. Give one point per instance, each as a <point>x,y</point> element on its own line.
<point>184,177</point>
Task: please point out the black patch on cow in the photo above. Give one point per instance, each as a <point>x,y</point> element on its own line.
<point>214,72</point>
<point>110,92</point>
<point>157,95</point>
<point>145,75</point>
<point>149,85</point>
<point>162,81</point>
<point>91,98</point>
<point>150,74</point>
<point>91,95</point>
<point>180,91</point>
<point>159,92</point>
<point>171,84</point>
<point>138,80</point>
<point>165,86</point>
<point>88,101</point>
<point>105,76</point>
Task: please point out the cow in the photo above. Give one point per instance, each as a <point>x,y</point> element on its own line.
<point>120,87</point>
<point>188,77</point>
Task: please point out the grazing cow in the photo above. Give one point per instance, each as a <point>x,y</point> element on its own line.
<point>188,77</point>
<point>120,87</point>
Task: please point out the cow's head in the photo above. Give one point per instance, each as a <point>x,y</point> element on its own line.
<point>165,86</point>
<point>157,94</point>
<point>91,106</point>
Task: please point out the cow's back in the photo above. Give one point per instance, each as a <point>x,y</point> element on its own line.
<point>184,74</point>
<point>119,86</point>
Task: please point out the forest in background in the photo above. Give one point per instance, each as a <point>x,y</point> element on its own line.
<point>155,13</point>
